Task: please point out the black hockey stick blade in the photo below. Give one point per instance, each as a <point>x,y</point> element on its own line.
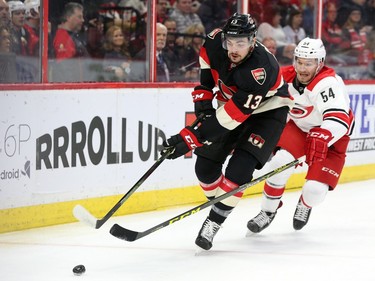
<point>131,235</point>
<point>83,215</point>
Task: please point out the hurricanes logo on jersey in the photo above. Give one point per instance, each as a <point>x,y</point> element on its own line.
<point>300,111</point>
<point>256,140</point>
<point>259,75</point>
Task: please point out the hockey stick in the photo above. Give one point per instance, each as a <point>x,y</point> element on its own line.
<point>84,215</point>
<point>131,235</point>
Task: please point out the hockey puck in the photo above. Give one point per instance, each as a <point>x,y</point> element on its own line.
<point>79,269</point>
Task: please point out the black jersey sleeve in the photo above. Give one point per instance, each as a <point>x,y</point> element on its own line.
<point>211,46</point>
<point>258,83</point>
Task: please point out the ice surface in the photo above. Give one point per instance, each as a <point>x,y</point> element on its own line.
<point>337,244</point>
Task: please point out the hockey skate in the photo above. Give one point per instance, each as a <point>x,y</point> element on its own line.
<point>206,234</point>
<point>260,221</point>
<point>301,215</point>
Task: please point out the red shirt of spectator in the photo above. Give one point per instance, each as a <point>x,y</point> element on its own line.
<point>66,43</point>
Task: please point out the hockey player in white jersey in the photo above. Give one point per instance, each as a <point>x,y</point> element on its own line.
<point>319,127</point>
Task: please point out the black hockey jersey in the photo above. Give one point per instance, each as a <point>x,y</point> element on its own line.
<point>255,85</point>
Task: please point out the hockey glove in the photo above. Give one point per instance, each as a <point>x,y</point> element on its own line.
<point>182,143</point>
<point>316,147</point>
<point>202,98</point>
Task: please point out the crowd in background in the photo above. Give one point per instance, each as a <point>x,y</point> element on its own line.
<point>103,40</point>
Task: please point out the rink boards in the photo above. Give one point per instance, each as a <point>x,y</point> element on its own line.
<point>63,147</point>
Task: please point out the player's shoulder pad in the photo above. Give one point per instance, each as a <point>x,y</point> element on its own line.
<point>325,78</point>
<point>288,73</point>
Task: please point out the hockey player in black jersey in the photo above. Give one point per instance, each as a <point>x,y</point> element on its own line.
<point>252,107</point>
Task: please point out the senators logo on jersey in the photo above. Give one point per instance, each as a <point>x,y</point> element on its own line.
<point>259,75</point>
<point>256,140</point>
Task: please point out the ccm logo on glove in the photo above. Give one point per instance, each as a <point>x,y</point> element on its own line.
<point>316,148</point>
<point>200,95</point>
<point>190,138</point>
<point>321,135</point>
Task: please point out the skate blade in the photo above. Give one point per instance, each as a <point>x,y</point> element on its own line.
<point>199,251</point>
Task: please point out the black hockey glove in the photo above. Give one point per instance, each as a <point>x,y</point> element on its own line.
<point>182,143</point>
<point>204,107</point>
<point>202,98</point>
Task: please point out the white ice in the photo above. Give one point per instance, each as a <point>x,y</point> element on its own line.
<point>337,244</point>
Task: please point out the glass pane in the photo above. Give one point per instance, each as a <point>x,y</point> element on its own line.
<point>281,25</point>
<point>348,32</point>
<point>19,42</point>
<point>97,41</point>
<point>187,23</point>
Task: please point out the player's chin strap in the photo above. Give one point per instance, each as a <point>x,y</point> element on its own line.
<point>131,235</point>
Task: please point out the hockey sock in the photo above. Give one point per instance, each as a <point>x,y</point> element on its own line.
<point>221,210</point>
<point>210,189</point>
<point>271,197</point>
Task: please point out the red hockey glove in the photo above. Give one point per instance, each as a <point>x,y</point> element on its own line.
<point>202,98</point>
<point>316,146</point>
<point>183,142</point>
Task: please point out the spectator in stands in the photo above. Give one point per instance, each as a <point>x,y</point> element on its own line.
<point>189,55</point>
<point>4,13</point>
<point>184,16</point>
<point>283,54</point>
<point>293,30</point>
<point>27,69</point>
<point>4,39</point>
<point>355,34</point>
<point>162,71</point>
<point>172,50</point>
<point>134,20</point>
<point>213,14</point>
<point>32,25</point>
<point>8,73</point>
<point>18,42</point>
<point>171,26</point>
<point>162,7</point>
<point>270,44</point>
<point>286,6</point>
<point>139,60</point>
<point>94,33</point>
<point>346,7</point>
<point>117,60</point>
<point>68,47</point>
<point>332,36</point>
<point>270,27</point>
<point>138,5</point>
<point>308,18</point>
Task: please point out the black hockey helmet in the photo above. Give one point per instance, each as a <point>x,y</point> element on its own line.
<point>240,25</point>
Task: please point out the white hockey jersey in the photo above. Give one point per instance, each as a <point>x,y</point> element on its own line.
<point>324,102</point>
